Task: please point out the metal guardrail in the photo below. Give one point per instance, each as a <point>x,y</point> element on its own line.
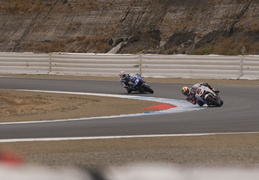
<point>24,63</point>
<point>109,65</point>
<point>250,67</point>
<point>189,66</point>
<point>93,64</point>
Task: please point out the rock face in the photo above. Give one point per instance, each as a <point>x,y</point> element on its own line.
<point>130,26</point>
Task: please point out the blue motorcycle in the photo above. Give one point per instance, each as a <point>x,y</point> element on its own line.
<point>135,83</point>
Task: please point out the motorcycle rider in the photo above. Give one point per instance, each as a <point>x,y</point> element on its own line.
<point>190,93</point>
<point>128,81</point>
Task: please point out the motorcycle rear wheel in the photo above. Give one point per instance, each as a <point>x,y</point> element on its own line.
<point>213,101</point>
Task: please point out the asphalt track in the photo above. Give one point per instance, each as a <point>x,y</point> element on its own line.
<point>240,112</point>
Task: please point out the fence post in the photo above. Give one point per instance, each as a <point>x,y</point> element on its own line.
<point>140,64</point>
<point>50,62</point>
<point>241,66</point>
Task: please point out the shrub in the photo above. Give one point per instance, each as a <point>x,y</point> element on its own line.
<point>38,47</point>
<point>204,50</point>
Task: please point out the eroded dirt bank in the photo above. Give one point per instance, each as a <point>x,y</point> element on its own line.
<point>133,26</point>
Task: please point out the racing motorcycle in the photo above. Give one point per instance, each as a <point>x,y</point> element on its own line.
<point>139,85</point>
<point>206,96</point>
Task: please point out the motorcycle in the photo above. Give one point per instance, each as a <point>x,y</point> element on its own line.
<point>206,96</point>
<point>139,85</point>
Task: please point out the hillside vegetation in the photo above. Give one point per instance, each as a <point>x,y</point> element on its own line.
<point>228,27</point>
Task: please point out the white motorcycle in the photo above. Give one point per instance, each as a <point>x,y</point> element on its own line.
<point>205,95</point>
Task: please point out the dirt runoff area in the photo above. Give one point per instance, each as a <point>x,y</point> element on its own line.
<point>209,150</point>
<point>36,106</point>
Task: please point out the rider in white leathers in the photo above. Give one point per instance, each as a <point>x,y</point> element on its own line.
<point>190,93</point>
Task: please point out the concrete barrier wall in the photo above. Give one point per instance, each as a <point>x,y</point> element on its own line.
<point>250,67</point>
<point>109,65</point>
<point>24,63</point>
<point>93,64</point>
<point>188,66</point>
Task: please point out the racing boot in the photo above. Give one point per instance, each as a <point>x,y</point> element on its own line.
<point>214,90</point>
<point>129,90</point>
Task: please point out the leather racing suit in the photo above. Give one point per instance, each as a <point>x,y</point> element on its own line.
<point>191,96</point>
<point>130,82</point>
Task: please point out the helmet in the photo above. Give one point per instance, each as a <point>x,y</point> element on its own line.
<point>185,90</point>
<point>123,75</point>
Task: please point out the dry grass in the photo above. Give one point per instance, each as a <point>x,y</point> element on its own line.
<point>79,44</point>
<point>46,47</point>
<point>31,6</point>
<point>230,46</point>
<point>21,6</point>
<point>83,44</point>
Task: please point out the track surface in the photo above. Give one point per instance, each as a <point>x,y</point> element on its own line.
<point>239,113</point>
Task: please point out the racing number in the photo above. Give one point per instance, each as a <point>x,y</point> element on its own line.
<point>199,91</point>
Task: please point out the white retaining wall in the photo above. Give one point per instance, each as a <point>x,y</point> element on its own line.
<point>109,65</point>
<point>188,66</point>
<point>93,64</point>
<point>250,68</point>
<point>24,63</point>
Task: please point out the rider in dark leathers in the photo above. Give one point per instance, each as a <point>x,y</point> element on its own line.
<point>128,81</point>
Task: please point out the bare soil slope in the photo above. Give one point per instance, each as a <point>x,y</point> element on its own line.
<point>146,26</point>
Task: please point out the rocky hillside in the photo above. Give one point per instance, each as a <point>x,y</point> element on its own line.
<point>130,26</point>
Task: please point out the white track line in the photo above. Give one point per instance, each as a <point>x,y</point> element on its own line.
<point>119,137</point>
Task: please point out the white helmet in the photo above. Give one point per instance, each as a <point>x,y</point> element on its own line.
<point>123,75</point>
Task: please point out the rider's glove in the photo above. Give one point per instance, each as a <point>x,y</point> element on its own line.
<point>131,84</point>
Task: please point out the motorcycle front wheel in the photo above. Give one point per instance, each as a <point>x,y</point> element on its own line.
<point>147,88</point>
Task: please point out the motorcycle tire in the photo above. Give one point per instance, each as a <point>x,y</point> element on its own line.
<point>221,102</point>
<point>147,88</point>
<point>213,101</point>
<point>200,103</point>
